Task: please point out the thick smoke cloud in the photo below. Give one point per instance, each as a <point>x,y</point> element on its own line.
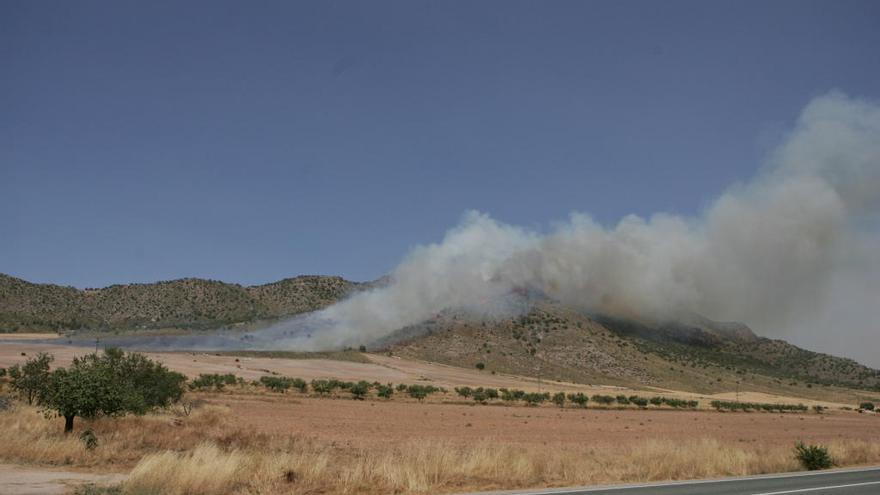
<point>789,253</point>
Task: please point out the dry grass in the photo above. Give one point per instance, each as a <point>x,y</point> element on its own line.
<point>432,468</point>
<point>205,453</point>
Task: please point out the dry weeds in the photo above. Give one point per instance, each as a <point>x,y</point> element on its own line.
<point>206,453</point>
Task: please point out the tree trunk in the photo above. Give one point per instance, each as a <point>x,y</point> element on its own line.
<point>68,423</point>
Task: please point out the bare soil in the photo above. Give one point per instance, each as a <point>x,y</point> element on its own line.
<point>364,423</point>
<point>20,480</point>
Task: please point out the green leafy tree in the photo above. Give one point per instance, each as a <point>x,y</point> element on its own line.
<point>113,383</point>
<point>31,379</point>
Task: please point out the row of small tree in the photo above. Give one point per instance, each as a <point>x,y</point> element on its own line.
<point>483,395</point>
<point>322,387</point>
<point>722,405</point>
<point>109,384</point>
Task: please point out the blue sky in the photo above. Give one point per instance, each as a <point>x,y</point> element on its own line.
<point>251,141</point>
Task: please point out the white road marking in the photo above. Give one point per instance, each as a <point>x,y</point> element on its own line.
<point>836,487</point>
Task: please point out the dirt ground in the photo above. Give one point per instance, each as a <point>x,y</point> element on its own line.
<point>362,423</point>
<point>21,480</point>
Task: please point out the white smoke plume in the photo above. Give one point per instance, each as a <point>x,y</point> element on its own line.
<point>789,253</point>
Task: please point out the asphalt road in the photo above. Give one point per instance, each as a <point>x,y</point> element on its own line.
<point>865,481</point>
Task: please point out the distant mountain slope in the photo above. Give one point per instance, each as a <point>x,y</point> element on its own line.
<point>557,342</point>
<point>183,303</point>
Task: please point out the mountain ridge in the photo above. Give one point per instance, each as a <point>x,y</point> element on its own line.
<point>181,303</point>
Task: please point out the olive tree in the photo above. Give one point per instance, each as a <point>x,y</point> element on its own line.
<point>113,383</point>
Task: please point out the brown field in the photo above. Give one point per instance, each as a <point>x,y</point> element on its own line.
<point>388,369</point>
<point>249,440</point>
<point>371,422</point>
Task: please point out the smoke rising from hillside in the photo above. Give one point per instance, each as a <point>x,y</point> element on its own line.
<point>790,247</point>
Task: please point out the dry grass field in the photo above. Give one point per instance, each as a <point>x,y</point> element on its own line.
<point>240,449</point>
<point>246,439</point>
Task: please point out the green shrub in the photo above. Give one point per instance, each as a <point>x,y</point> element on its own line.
<point>464,391</point>
<point>281,383</point>
<point>322,387</point>
<point>480,366</point>
<point>867,406</point>
<point>602,399</point>
<point>579,398</point>
<point>622,400</point>
<point>384,391</point>
<point>215,381</point>
<point>420,391</point>
<point>491,393</point>
<point>359,390</point>
<point>533,399</point>
<point>813,457</point>
<point>559,399</point>
<point>401,387</point>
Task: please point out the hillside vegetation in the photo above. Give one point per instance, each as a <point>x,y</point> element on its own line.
<point>556,342</point>
<point>184,303</point>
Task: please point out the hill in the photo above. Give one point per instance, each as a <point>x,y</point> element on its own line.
<point>556,342</point>
<point>551,341</point>
<point>183,303</point>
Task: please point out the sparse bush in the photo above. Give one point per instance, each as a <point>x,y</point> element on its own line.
<point>464,391</point>
<point>401,387</point>
<point>384,391</point>
<point>89,439</point>
<point>214,380</point>
<point>359,390</point>
<point>579,398</point>
<point>420,391</point>
<point>533,398</point>
<point>559,399</point>
<point>813,457</point>
<point>2,372</point>
<point>322,387</point>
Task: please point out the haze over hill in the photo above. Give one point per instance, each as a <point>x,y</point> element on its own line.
<point>791,253</point>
